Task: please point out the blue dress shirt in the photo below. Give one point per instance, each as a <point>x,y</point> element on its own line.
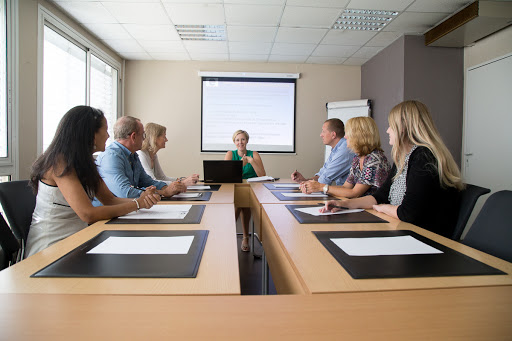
<point>121,170</point>
<point>337,166</point>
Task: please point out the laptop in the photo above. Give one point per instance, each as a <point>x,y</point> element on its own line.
<point>222,171</point>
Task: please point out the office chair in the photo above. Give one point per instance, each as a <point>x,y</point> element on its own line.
<point>492,230</point>
<point>18,201</point>
<point>10,247</point>
<point>468,198</point>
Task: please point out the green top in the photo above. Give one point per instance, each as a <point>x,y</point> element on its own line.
<point>248,171</point>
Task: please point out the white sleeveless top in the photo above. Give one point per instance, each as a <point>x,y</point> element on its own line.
<point>53,220</point>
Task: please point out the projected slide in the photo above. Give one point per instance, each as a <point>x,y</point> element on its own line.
<point>265,108</point>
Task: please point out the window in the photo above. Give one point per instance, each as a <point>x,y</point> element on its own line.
<point>75,72</point>
<point>8,98</point>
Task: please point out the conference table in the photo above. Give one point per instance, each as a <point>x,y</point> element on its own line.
<point>323,300</point>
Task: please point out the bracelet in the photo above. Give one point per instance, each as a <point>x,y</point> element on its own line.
<point>138,207</point>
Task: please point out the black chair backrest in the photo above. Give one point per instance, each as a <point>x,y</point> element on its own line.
<point>18,201</point>
<point>468,198</point>
<point>9,244</point>
<point>492,230</point>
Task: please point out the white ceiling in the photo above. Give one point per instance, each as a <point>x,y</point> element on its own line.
<point>296,31</point>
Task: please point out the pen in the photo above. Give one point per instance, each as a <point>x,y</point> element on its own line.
<point>139,188</point>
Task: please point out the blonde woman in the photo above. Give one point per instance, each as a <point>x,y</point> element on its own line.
<point>252,167</point>
<point>154,141</point>
<point>369,167</point>
<point>424,183</point>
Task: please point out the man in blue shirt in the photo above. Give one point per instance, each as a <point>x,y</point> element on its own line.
<point>120,167</point>
<point>337,166</point>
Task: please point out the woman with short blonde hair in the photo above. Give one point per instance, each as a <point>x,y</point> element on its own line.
<point>423,186</point>
<point>369,167</point>
<point>155,140</point>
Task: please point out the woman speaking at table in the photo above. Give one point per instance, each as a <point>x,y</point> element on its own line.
<point>252,167</point>
<point>424,183</point>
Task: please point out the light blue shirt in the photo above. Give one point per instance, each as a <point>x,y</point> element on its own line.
<point>121,170</point>
<point>337,166</point>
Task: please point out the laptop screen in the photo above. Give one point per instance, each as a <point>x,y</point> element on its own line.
<point>222,171</point>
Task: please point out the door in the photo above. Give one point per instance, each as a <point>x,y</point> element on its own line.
<point>488,127</point>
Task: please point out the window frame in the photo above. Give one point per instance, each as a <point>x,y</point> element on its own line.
<point>58,25</point>
<point>9,165</point>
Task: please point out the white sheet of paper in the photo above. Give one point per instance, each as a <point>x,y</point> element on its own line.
<point>187,195</point>
<point>144,245</point>
<point>198,187</point>
<point>260,178</point>
<point>315,211</point>
<point>303,195</point>
<point>160,212</point>
<point>384,246</point>
<point>287,185</point>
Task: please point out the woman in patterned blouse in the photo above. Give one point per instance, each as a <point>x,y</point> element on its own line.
<point>424,183</point>
<point>369,168</point>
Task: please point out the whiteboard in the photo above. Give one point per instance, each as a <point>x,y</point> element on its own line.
<point>345,110</point>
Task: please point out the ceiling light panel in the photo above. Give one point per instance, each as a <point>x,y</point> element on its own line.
<point>364,19</point>
<point>201,32</point>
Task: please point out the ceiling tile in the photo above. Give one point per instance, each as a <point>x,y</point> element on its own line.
<point>256,2</point>
<point>300,35</point>
<point>334,51</point>
<point>196,14</point>
<point>155,46</point>
<point>366,52</point>
<point>439,6</point>
<point>195,1</point>
<point>309,16</point>
<point>124,45</point>
<point>347,37</point>
<point>413,22</point>
<point>152,32</point>
<point>319,3</point>
<point>287,59</point>
<point>88,12</point>
<point>108,31</point>
<point>170,56</point>
<point>221,57</point>
<point>136,56</point>
<point>259,58</point>
<point>206,47</point>
<point>251,33</point>
<point>390,5</point>
<point>252,15</point>
<point>292,49</point>
<point>383,39</point>
<point>138,13</point>
<point>355,61</point>
<point>249,48</point>
<point>325,60</point>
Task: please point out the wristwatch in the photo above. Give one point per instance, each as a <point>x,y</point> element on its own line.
<point>325,189</point>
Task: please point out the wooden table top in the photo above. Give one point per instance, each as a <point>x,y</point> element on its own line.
<point>483,313</point>
<point>225,195</point>
<point>320,272</point>
<point>217,275</point>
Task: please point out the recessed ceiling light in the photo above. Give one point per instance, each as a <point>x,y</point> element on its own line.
<point>364,19</point>
<point>201,32</point>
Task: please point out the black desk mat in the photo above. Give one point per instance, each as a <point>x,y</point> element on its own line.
<point>349,218</point>
<point>193,216</point>
<point>205,196</point>
<point>213,188</point>
<point>78,263</point>
<point>448,263</point>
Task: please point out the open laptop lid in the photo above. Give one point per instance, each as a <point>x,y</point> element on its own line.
<point>222,171</point>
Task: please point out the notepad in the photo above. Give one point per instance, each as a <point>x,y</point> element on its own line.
<point>384,246</point>
<point>287,186</point>
<point>303,195</point>
<point>315,211</point>
<point>187,195</point>
<point>198,187</point>
<point>260,178</point>
<point>160,212</point>
<point>144,246</point>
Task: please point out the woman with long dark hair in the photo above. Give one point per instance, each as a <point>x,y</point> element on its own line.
<point>66,180</point>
